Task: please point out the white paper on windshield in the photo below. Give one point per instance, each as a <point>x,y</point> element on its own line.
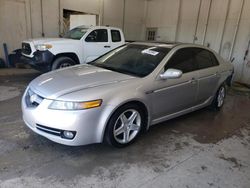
<point>150,52</point>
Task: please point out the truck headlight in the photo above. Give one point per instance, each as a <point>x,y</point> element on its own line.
<point>66,105</point>
<point>43,47</point>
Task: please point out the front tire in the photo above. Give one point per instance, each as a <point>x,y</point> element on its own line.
<point>125,125</point>
<point>62,62</point>
<point>219,98</point>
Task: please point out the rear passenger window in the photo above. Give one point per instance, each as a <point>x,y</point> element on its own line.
<point>182,60</point>
<point>115,35</point>
<point>214,59</point>
<point>98,35</point>
<point>204,58</point>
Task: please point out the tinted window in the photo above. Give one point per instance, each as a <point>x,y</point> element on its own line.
<point>133,59</point>
<point>204,58</point>
<point>182,60</point>
<point>116,36</point>
<point>214,59</point>
<point>99,35</point>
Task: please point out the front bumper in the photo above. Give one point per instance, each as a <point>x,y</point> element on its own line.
<point>42,60</point>
<point>85,123</point>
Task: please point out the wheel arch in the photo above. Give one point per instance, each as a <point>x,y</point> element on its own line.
<point>71,55</point>
<point>132,101</point>
<point>222,82</point>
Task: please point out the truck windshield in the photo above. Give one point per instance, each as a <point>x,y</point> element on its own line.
<point>133,59</point>
<point>76,33</point>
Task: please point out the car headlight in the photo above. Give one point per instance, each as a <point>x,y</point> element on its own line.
<point>43,47</point>
<point>66,105</point>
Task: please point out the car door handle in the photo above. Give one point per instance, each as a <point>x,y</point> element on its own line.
<point>107,46</point>
<point>193,81</point>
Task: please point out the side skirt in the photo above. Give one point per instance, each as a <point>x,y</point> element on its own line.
<point>182,112</point>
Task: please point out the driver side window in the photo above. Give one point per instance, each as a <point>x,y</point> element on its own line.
<point>98,35</point>
<point>182,60</point>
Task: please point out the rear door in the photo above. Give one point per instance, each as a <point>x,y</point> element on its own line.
<point>96,44</point>
<point>174,95</point>
<point>116,38</point>
<point>208,74</point>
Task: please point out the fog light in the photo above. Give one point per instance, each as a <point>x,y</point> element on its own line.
<point>68,134</point>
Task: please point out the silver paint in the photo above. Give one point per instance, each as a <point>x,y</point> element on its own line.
<point>163,99</point>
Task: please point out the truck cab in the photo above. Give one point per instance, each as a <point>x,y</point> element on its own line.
<point>80,45</point>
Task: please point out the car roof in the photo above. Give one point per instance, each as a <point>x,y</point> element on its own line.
<point>97,27</point>
<point>156,44</point>
<point>166,44</point>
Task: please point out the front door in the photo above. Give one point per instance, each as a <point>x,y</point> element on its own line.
<point>174,95</point>
<point>96,44</point>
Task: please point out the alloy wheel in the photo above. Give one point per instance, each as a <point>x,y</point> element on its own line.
<point>127,126</point>
<point>221,96</point>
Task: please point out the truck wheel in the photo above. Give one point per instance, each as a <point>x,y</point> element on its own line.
<point>62,62</point>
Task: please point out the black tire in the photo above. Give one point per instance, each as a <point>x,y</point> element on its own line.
<point>115,120</point>
<point>62,62</point>
<point>219,98</point>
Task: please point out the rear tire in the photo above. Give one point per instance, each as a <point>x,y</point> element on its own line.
<point>125,125</point>
<point>219,98</point>
<point>62,62</point>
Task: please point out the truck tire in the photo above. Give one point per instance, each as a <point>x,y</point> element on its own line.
<point>62,62</point>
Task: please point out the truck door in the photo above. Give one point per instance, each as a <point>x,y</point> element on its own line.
<point>116,38</point>
<point>96,44</point>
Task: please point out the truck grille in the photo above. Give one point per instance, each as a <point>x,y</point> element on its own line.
<point>32,99</point>
<point>26,49</point>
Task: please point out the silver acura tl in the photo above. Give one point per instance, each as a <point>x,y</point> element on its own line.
<point>116,97</point>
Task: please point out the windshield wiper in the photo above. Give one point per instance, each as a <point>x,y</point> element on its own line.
<point>105,67</point>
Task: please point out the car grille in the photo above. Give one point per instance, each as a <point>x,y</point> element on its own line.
<point>32,99</point>
<point>56,132</point>
<point>26,49</point>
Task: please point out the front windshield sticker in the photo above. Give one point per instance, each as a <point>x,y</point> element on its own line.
<point>150,52</point>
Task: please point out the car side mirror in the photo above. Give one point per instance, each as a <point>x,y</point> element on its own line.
<point>171,74</point>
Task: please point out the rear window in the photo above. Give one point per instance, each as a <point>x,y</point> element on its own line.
<point>204,58</point>
<point>116,36</point>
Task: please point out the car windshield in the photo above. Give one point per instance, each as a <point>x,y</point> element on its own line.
<point>133,59</point>
<point>76,33</point>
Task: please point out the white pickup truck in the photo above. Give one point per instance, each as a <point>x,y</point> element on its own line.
<point>79,45</point>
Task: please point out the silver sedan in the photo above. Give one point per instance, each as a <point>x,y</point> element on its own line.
<point>116,97</point>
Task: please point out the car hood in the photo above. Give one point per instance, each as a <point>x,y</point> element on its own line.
<point>57,83</point>
<point>50,41</point>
